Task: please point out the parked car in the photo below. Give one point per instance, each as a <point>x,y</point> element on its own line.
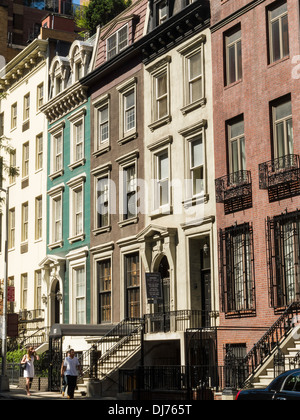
<point>285,387</point>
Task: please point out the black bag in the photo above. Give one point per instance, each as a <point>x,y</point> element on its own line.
<point>23,365</point>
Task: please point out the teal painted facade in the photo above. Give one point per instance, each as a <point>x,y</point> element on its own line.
<point>68,246</point>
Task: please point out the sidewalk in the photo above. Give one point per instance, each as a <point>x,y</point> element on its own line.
<point>16,393</point>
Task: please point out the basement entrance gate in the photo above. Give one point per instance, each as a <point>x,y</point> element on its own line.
<point>57,332</point>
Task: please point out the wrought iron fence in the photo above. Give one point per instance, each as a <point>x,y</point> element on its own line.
<point>176,321</point>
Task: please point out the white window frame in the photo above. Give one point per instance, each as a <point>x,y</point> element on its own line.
<point>76,184</point>
<point>78,118</point>
<point>100,145</point>
<point>125,133</point>
<point>188,51</point>
<point>271,20</point>
<point>26,107</point>
<point>24,222</point>
<point>39,96</point>
<point>56,193</point>
<point>39,146</point>
<point>38,231</point>
<point>14,116</point>
<point>56,132</point>
<point>125,162</point>
<point>117,43</point>
<point>100,173</point>
<point>25,160</point>
<point>162,67</point>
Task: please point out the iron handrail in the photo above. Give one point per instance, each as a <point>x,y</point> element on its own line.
<point>271,340</point>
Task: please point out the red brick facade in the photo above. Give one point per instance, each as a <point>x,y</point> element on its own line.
<point>252,95</point>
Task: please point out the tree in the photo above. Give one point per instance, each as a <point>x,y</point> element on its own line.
<point>98,12</point>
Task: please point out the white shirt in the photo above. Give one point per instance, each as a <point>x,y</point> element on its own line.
<point>71,365</point>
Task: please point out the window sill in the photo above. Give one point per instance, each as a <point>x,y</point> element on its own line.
<point>58,244</point>
<point>194,201</point>
<point>195,105</point>
<point>74,165</point>
<point>76,238</point>
<point>131,221</point>
<point>104,229</point>
<point>162,211</point>
<point>101,151</point>
<point>274,63</point>
<point>160,122</point>
<point>233,84</point>
<point>56,174</point>
<point>128,138</point>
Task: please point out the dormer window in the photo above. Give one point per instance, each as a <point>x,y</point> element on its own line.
<point>117,42</point>
<point>162,12</point>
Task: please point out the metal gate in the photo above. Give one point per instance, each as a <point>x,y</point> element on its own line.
<point>55,350</point>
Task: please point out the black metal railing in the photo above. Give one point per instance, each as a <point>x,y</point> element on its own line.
<point>233,185</point>
<point>176,321</point>
<point>109,352</point>
<point>271,340</point>
<point>282,170</point>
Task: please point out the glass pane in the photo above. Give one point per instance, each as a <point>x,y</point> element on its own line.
<point>239,60</point>
<point>197,153</point>
<point>243,154</point>
<point>285,36</point>
<point>231,64</point>
<point>129,100</point>
<point>161,85</point>
<point>162,107</point>
<point>104,114</point>
<point>283,110</point>
<point>163,166</point>
<point>164,192</point>
<point>237,129</point>
<point>198,183</point>
<point>123,38</point>
<point>195,66</point>
<point>234,156</point>
<point>280,139</point>
<point>279,11</point>
<point>290,141</point>
<point>234,37</point>
<point>196,90</point>
<point>276,41</point>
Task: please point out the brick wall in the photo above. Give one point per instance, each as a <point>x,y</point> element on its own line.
<point>261,84</point>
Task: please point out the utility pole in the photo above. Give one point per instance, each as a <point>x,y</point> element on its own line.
<point>4,382</point>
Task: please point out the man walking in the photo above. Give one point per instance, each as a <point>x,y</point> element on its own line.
<point>71,368</point>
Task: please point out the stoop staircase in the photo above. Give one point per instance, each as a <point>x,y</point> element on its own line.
<point>115,349</point>
<point>277,351</point>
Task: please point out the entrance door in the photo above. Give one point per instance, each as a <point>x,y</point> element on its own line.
<point>162,308</point>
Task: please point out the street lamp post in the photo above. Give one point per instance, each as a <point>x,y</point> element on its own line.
<point>4,382</point>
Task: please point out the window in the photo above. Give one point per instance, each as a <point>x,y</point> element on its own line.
<point>26,107</point>
<point>76,209</point>
<point>195,77</point>
<point>102,207</point>
<point>25,163</point>
<point>196,155</point>
<point>11,228</point>
<point>78,141</point>
<point>38,289</point>
<point>14,111</point>
<point>282,128</point>
<point>13,163</point>
<point>160,111</point>
<point>162,178</point>
<point>237,272</point>
<point>38,217</point>
<point>39,152</point>
<point>79,280</point>
<point>103,126</point>
<point>101,130</point>
<point>236,136</point>
<point>57,219</point>
<point>132,267</point>
<point>284,258</point>
<point>161,96</point>
<point>58,152</point>
<point>24,290</point>
<point>130,204</point>
<point>104,287</point>
<point>40,96</point>
<point>162,12</point>
<point>127,111</point>
<point>117,42</point>
<point>278,32</point>
<point>233,45</point>
<point>24,230</point>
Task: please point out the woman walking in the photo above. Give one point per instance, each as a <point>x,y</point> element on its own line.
<point>29,369</point>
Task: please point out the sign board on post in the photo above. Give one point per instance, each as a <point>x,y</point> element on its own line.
<point>154,287</point>
<point>10,294</point>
